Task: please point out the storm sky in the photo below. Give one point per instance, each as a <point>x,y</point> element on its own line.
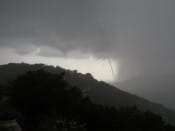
<point>138,35</point>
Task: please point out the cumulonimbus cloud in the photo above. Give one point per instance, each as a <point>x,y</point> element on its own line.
<point>138,33</point>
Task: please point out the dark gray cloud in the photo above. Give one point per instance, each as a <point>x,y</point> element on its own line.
<point>137,33</point>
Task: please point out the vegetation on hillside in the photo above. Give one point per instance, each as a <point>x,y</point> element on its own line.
<point>46,102</point>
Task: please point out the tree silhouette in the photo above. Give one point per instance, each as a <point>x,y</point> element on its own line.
<point>47,102</point>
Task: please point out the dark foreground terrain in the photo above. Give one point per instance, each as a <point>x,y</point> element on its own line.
<point>48,98</point>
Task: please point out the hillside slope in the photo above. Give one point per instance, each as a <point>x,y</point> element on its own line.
<point>99,92</point>
<point>159,88</point>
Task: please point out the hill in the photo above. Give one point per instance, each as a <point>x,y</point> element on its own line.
<point>98,91</point>
<point>159,88</point>
<point>43,101</point>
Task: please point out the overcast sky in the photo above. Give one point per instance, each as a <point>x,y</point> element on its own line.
<point>138,35</point>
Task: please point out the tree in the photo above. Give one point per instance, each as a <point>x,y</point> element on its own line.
<point>45,100</point>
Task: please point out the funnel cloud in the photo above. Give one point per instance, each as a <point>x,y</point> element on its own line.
<point>139,34</point>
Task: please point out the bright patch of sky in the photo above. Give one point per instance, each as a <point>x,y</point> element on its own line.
<point>99,68</point>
